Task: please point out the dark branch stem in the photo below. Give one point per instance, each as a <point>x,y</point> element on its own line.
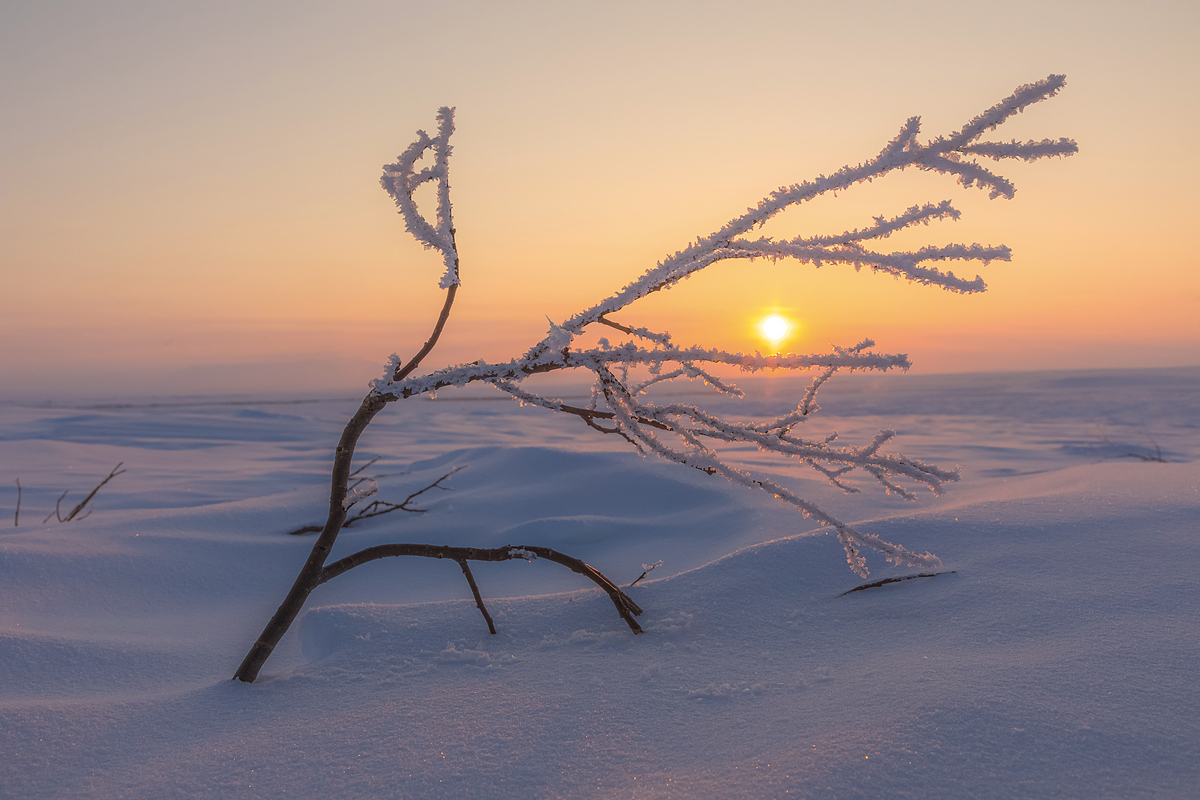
<point>478,598</point>
<point>17,513</point>
<point>403,372</point>
<point>624,604</point>
<point>886,581</point>
<point>75,511</point>
<point>646,572</point>
<point>603,320</point>
<point>588,414</point>
<point>310,574</point>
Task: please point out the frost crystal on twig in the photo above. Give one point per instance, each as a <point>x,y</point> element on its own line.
<point>401,179</point>
<point>681,433</point>
<point>361,491</point>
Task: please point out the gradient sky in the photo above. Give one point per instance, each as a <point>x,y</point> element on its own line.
<point>190,203</point>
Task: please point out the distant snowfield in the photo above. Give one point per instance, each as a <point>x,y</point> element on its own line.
<point>1056,656</point>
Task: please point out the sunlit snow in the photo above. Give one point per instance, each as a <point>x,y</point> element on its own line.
<point>1053,657</point>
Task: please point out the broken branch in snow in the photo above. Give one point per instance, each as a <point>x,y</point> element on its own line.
<point>74,512</point>
<point>1158,456</point>
<point>17,513</point>
<point>886,581</point>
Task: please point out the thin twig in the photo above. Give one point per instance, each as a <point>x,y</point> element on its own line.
<point>1156,457</point>
<point>75,511</point>
<point>605,321</point>
<point>478,598</point>
<point>886,581</point>
<point>55,512</point>
<point>378,508</point>
<point>589,414</point>
<point>17,513</point>
<point>649,568</point>
<point>403,371</point>
<point>364,466</point>
<point>367,513</point>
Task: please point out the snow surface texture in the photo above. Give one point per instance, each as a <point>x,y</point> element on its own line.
<point>1057,660</point>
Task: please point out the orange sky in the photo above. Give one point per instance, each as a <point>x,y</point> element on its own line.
<point>190,200</point>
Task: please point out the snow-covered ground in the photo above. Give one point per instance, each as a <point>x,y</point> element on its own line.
<point>1056,656</point>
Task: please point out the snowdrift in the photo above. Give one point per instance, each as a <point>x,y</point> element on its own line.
<point>1053,656</point>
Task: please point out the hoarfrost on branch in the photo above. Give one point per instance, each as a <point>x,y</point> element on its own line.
<point>679,432</point>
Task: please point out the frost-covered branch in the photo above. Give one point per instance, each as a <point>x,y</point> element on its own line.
<point>645,424</point>
<point>401,180</point>
<point>940,155</point>
<point>886,227</point>
<point>622,396</point>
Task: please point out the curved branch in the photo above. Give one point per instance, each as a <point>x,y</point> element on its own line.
<point>403,371</point>
<point>624,604</point>
<point>310,573</point>
<point>400,181</point>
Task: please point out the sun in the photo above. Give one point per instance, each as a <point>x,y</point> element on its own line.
<point>775,327</point>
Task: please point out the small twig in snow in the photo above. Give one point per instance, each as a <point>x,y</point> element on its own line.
<point>648,569</point>
<point>886,581</point>
<point>462,562</point>
<point>74,513</point>
<point>55,512</point>
<point>364,466</point>
<point>1156,457</point>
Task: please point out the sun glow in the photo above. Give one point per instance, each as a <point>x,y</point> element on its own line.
<point>775,327</point>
